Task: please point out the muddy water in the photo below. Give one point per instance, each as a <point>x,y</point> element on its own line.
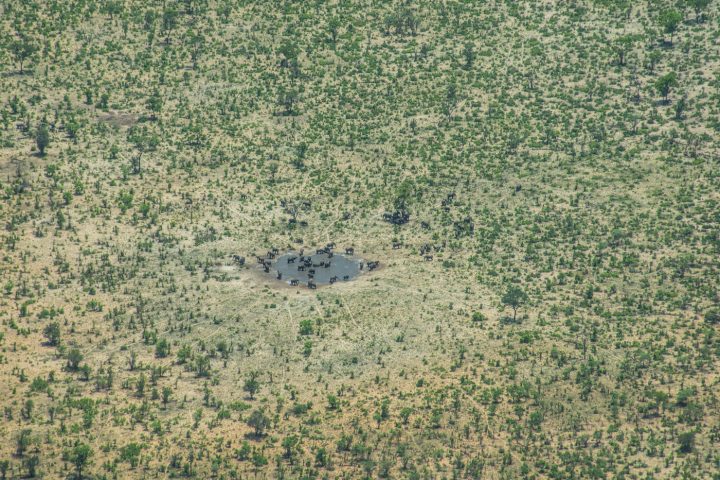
<point>343,267</point>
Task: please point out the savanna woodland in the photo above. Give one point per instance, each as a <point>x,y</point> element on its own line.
<point>536,184</point>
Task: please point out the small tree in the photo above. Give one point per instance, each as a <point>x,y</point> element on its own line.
<point>4,467</point>
<point>42,138</point>
<point>514,298</point>
<point>52,333</point>
<point>306,327</point>
<point>162,348</point>
<point>334,27</point>
<point>622,46</point>
<point>405,413</point>
<point>680,108</point>
<point>31,464</point>
<point>166,392</point>
<point>23,441</point>
<point>669,21</point>
<point>22,49</point>
<point>252,385</point>
<point>169,22</point>
<point>74,357</point>
<point>665,83</point>
<point>687,442</point>
<point>197,41</point>
<point>259,422</point>
<point>289,444</point>
<point>288,99</point>
<point>154,104</point>
<point>144,141</point>
<point>80,457</point>
<point>653,58</point>
<point>699,6</point>
<point>131,453</point>
<point>469,54</point>
<point>712,316</point>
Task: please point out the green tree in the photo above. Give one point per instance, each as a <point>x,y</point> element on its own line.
<point>52,333</point>
<point>680,107</point>
<point>654,58</point>
<point>144,141</point>
<point>321,457</point>
<point>289,443</point>
<point>669,21</point>
<point>306,327</point>
<point>333,402</point>
<point>22,442</point>
<point>712,316</point>
<point>131,453</point>
<point>202,366</point>
<point>197,41</point>
<point>405,413</point>
<point>31,464</point>
<point>80,458</point>
<point>154,104</point>
<point>169,22</point>
<point>42,138</point>
<point>22,48</point>
<point>622,46</point>
<point>469,54</point>
<point>514,298</point>
<point>166,393</point>
<point>162,348</point>
<point>687,442</point>
<point>288,99</point>
<point>699,6</point>
<point>251,385</point>
<point>665,83</point>
<point>259,460</point>
<point>4,467</point>
<point>258,421</point>
<point>74,357</point>
<point>451,99</point>
<point>334,27</point>
<point>383,413</point>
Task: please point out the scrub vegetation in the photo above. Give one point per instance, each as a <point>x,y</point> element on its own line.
<point>538,181</point>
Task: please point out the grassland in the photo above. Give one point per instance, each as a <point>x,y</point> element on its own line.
<point>560,158</point>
